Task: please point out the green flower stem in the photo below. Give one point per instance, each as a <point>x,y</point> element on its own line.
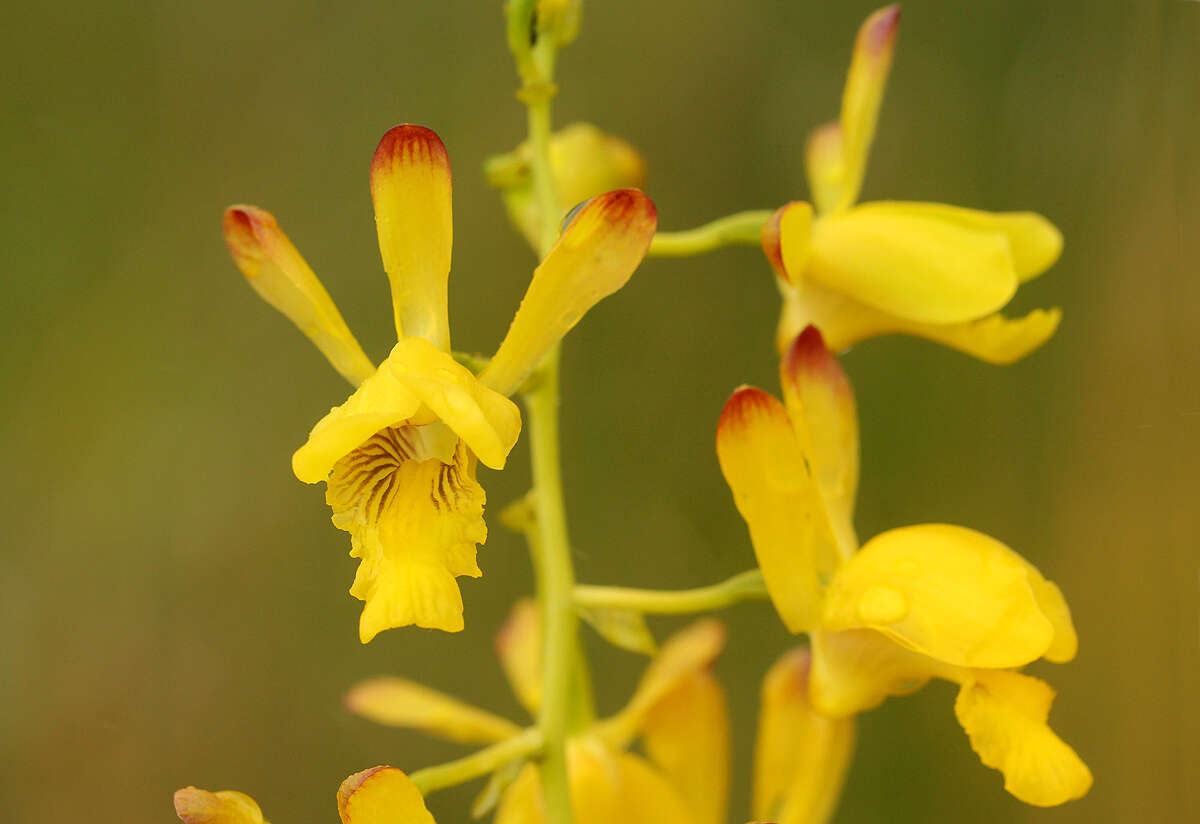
<point>738,229</point>
<point>564,673</point>
<point>479,763</point>
<point>745,586</point>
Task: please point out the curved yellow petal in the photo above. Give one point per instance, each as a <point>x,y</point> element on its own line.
<point>519,647</point>
<point>586,162</point>
<point>775,492</point>
<point>410,186</point>
<point>844,322</point>
<point>607,786</point>
<point>947,592</point>
<point>1004,714</point>
<point>800,756</point>
<point>686,735</point>
<point>1034,241</point>
<point>381,795</point>
<point>594,257</point>
<point>856,670</point>
<point>282,278</point>
<point>687,652</point>
<point>398,702</point>
<point>795,239</point>
<point>863,95</point>
<point>195,806</point>
<point>824,166</point>
<point>414,523</point>
<point>913,263</point>
<point>417,384</point>
<point>820,402</point>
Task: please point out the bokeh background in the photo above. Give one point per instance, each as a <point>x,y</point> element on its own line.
<point>173,605</point>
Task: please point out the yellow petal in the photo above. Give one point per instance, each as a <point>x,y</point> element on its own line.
<point>824,165</point>
<point>607,787</point>
<point>820,402</point>
<point>519,647</point>
<point>410,185</point>
<point>1034,241</point>
<point>398,702</point>
<point>681,656</point>
<point>800,756</point>
<point>865,82</point>
<point>795,239</point>
<point>855,671</point>
<point>948,592</point>
<point>686,735</point>
<point>914,263</point>
<point>1004,714</point>
<point>194,806</point>
<point>283,279</point>
<point>586,162</point>
<point>596,254</point>
<point>381,795</point>
<point>844,322</point>
<point>414,523</point>
<point>419,384</point>
<point>777,496</point>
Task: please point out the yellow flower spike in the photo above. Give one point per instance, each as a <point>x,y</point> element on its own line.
<point>685,653</point>
<point>586,162</point>
<point>195,806</point>
<point>381,795</point>
<point>1004,714</point>
<point>410,186</point>
<point>801,757</point>
<point>606,786</point>
<point>863,94</point>
<point>519,647</point>
<point>763,463</point>
<point>820,403</point>
<point>596,254</point>
<point>281,277</point>
<point>398,702</point>
<point>686,735</point>
<point>944,591</point>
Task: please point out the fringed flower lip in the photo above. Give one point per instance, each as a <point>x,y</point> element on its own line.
<point>911,604</point>
<point>399,456</point>
<point>857,270</point>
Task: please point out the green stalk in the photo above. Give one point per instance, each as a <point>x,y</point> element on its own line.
<point>745,586</point>
<point>479,763</point>
<point>742,229</point>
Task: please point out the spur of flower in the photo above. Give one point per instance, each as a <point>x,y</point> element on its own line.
<point>911,604</point>
<point>857,270</point>
<point>399,455</point>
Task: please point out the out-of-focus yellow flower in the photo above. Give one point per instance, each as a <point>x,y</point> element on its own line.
<point>399,456</point>
<point>911,604</point>
<point>678,712</point>
<point>586,161</point>
<point>194,806</point>
<point>926,269</point>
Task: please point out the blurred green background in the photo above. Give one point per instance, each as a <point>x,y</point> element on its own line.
<point>173,605</point>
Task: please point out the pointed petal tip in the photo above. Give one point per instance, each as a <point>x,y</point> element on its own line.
<point>247,230</point>
<point>745,402</point>
<point>629,206</point>
<point>878,33</point>
<point>808,358</point>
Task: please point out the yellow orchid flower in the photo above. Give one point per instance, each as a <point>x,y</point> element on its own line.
<point>380,795</point>
<point>911,604</point>
<point>926,269</point>
<point>399,456</point>
<point>586,162</point>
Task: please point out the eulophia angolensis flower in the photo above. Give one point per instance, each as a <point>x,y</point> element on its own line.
<point>927,269</point>
<point>912,604</point>
<point>399,456</point>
